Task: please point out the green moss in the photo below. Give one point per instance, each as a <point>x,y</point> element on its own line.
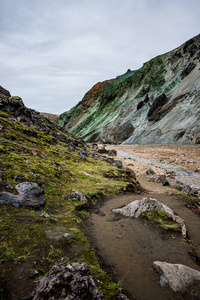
<point>24,234</point>
<point>15,98</point>
<point>162,219</point>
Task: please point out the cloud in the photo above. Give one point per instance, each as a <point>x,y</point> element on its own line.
<point>53,52</point>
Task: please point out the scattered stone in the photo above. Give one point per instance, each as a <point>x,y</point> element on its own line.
<point>160,178</point>
<point>71,147</point>
<point>29,195</point>
<point>5,183</point>
<point>31,173</point>
<point>117,164</point>
<point>83,172</point>
<point>102,150</point>
<point>76,195</point>
<point>68,236</point>
<point>112,152</point>
<point>47,216</point>
<point>34,273</point>
<point>137,207</point>
<point>18,178</point>
<point>177,276</point>
<point>175,184</point>
<point>70,281</point>
<point>150,172</point>
<point>171,174</point>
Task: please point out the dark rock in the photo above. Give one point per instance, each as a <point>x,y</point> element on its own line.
<point>117,163</point>
<point>143,102</point>
<point>160,178</point>
<point>179,135</point>
<point>83,152</point>
<point>30,132</point>
<point>175,184</point>
<point>192,49</point>
<point>5,184</point>
<point>71,147</point>
<point>103,150</point>
<point>187,189</point>
<point>156,106</point>
<point>140,105</point>
<point>73,281</point>
<point>4,92</point>
<point>187,45</point>
<point>29,195</point>
<point>197,140</point>
<point>150,172</point>
<point>112,152</point>
<point>8,198</point>
<point>76,195</point>
<point>187,70</point>
<point>117,133</point>
<point>18,178</point>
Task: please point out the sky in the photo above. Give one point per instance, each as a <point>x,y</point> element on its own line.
<point>53,51</point>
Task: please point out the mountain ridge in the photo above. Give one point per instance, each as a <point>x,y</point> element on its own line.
<point>158,103</point>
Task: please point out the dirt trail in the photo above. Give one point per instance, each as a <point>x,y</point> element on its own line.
<point>129,246</point>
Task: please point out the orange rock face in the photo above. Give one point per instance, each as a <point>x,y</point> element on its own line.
<point>93,94</point>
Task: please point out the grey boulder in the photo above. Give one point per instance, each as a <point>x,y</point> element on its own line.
<point>76,195</point>
<point>29,195</point>
<point>177,276</point>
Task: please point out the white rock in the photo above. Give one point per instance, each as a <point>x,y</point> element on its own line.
<point>177,276</point>
<point>137,207</point>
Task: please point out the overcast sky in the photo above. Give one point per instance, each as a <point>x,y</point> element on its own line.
<point>53,51</point>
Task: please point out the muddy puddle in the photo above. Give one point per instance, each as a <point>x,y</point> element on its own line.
<point>128,246</point>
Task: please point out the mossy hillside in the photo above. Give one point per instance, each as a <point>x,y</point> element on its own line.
<point>32,155</point>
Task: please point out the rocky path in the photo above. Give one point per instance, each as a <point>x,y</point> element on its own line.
<point>128,246</point>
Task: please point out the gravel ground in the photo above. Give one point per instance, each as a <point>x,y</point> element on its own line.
<point>187,156</point>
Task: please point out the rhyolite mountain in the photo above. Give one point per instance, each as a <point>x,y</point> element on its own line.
<point>156,104</point>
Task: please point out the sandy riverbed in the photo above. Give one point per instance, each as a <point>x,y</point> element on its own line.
<point>187,156</point>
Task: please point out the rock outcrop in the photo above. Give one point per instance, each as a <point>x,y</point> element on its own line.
<point>67,281</point>
<point>157,104</point>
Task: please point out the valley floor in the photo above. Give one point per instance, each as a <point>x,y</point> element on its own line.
<point>187,156</point>
<point>128,246</point>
